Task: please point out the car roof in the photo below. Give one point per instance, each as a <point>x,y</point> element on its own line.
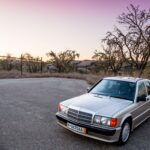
<point>122,78</point>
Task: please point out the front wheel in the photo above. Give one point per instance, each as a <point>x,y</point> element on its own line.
<point>125,133</point>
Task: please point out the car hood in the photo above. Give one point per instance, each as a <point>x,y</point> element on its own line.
<point>100,105</point>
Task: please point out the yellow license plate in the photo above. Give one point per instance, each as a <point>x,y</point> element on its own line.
<point>76,128</point>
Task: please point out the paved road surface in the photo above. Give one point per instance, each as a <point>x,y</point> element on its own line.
<point>27,118</point>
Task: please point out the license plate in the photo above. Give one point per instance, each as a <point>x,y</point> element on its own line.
<point>76,128</point>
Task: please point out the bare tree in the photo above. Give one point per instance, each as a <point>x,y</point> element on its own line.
<point>111,57</point>
<point>102,62</point>
<point>7,63</point>
<point>137,37</point>
<point>32,64</point>
<point>62,61</point>
<point>133,43</point>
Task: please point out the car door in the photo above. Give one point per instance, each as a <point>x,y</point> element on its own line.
<point>140,111</point>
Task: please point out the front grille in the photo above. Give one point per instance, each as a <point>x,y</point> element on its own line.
<point>79,116</point>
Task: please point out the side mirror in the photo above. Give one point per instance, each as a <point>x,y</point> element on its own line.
<point>141,99</point>
<point>88,88</point>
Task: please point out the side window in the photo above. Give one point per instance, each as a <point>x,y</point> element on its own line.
<point>147,83</point>
<point>142,90</point>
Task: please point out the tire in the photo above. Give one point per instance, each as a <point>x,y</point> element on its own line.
<point>125,133</point>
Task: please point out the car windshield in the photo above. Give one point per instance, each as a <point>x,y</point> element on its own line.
<point>115,88</point>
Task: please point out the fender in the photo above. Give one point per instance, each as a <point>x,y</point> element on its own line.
<point>124,118</point>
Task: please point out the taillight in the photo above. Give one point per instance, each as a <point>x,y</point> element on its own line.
<point>58,108</point>
<point>113,122</point>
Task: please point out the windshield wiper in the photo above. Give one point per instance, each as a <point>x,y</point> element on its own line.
<point>120,97</point>
<point>99,94</point>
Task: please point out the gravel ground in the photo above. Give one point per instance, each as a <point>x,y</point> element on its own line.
<point>27,117</point>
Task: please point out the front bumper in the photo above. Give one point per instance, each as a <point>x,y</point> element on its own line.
<point>106,135</point>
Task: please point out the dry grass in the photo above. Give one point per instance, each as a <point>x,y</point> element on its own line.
<point>90,78</point>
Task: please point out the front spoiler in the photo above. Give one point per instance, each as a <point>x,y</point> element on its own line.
<point>101,134</point>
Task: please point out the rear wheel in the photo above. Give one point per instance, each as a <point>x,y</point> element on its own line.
<point>125,133</point>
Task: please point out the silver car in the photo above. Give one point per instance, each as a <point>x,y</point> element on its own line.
<point>109,111</point>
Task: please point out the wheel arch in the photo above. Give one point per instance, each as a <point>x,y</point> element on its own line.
<point>129,118</point>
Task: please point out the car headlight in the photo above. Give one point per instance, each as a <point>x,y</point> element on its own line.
<point>106,121</point>
<point>63,109</point>
<point>97,119</point>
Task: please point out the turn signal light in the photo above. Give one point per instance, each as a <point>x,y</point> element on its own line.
<point>58,108</point>
<point>113,122</point>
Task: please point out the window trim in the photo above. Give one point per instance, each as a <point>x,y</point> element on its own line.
<point>139,82</point>
<point>146,86</point>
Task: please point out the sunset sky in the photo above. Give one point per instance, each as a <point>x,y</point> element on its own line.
<point>38,26</point>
